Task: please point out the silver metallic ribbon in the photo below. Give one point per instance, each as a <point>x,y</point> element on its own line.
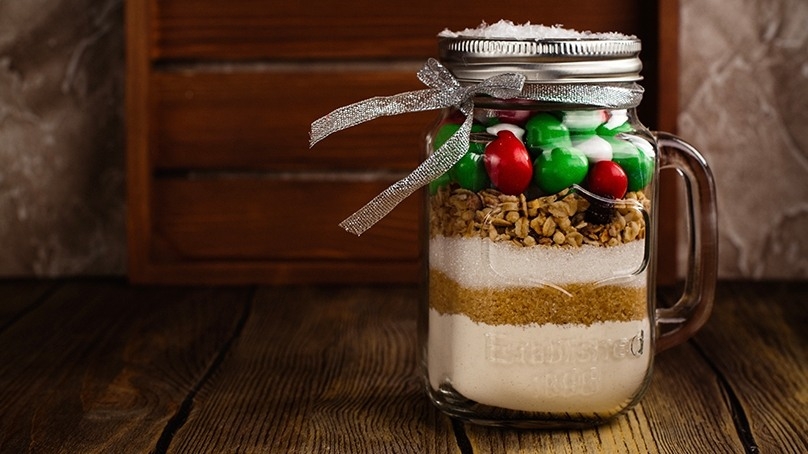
<point>446,91</point>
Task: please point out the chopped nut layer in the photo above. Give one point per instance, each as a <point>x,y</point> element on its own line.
<point>558,219</point>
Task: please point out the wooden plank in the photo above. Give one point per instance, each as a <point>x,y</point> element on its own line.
<point>627,434</point>
<point>278,272</point>
<point>328,369</point>
<point>758,342</point>
<point>236,231</point>
<point>686,406</point>
<point>254,29</point>
<point>139,166</point>
<point>259,119</point>
<point>101,367</point>
<point>254,218</point>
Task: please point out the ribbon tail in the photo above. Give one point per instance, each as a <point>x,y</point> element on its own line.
<point>379,106</point>
<point>434,166</point>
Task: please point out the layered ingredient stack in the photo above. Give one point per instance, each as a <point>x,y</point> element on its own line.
<point>537,263</point>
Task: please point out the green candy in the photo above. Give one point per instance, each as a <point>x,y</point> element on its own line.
<point>559,168</point>
<point>603,131</point>
<point>637,164</point>
<point>443,134</point>
<point>469,172</point>
<point>544,131</point>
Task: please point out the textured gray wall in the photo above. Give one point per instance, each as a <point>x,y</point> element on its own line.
<point>744,103</point>
<point>61,137</point>
<point>744,100</point>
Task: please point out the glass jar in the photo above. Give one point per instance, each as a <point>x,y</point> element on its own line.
<point>540,306</point>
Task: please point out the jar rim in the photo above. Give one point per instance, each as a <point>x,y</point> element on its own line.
<point>547,60</point>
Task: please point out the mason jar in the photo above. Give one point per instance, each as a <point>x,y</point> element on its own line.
<point>540,307</point>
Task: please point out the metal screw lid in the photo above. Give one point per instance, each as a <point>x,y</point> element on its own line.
<point>554,60</point>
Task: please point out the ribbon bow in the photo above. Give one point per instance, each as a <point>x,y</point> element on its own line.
<point>444,91</point>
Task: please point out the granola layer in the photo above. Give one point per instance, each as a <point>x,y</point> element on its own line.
<point>554,220</point>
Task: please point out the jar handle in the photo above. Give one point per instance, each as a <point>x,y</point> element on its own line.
<point>693,308</point>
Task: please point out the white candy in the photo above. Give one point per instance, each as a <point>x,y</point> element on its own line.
<point>644,147</point>
<point>617,118</point>
<point>583,120</point>
<point>595,148</point>
<point>516,130</point>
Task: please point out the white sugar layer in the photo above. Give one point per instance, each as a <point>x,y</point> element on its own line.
<point>481,263</point>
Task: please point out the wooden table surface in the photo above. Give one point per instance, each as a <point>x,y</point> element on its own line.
<point>100,366</point>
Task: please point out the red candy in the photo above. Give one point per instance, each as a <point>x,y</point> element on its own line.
<point>508,163</point>
<point>607,179</point>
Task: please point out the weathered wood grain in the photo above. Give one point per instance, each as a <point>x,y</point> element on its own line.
<point>320,370</point>
<point>101,367</point>
<point>249,29</point>
<point>271,272</point>
<point>255,218</point>
<point>627,434</point>
<point>259,119</point>
<point>98,366</point>
<point>686,407</point>
<point>253,229</point>
<point>757,340</point>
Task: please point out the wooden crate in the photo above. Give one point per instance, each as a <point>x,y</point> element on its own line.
<point>222,187</point>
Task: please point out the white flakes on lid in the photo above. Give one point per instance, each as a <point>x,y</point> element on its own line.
<point>508,30</point>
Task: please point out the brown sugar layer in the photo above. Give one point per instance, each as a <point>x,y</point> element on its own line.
<point>579,303</point>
